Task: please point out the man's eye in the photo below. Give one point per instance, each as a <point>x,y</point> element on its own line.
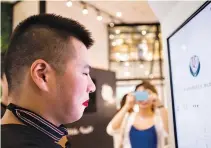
<point>86,74</point>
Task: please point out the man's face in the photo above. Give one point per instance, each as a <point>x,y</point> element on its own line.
<point>74,86</point>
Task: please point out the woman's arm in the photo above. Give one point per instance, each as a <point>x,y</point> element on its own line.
<point>164,117</point>
<point>162,111</point>
<point>116,122</point>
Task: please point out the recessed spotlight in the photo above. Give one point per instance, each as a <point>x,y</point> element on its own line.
<point>69,3</point>
<point>99,18</point>
<point>85,11</point>
<point>119,14</point>
<point>143,32</point>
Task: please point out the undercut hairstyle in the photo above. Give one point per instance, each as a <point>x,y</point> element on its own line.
<point>2,64</point>
<point>44,36</point>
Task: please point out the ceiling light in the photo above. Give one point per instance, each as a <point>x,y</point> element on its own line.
<point>85,11</point>
<point>143,32</point>
<point>119,41</point>
<point>111,36</point>
<point>69,3</point>
<point>118,54</point>
<point>113,43</point>
<point>119,14</point>
<point>111,24</point>
<point>99,18</point>
<point>127,64</point>
<point>143,46</point>
<point>124,57</point>
<point>117,31</point>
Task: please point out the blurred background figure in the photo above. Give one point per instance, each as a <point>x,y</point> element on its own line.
<point>146,128</point>
<point>117,137</point>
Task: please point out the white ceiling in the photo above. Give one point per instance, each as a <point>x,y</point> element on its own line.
<point>132,11</point>
<point>162,8</point>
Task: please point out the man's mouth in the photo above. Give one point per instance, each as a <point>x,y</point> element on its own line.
<point>86,103</point>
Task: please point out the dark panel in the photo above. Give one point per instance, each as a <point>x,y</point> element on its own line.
<point>92,102</point>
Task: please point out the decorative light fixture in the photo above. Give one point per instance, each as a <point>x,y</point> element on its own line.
<point>113,43</point>
<point>69,3</point>
<point>143,32</point>
<point>119,14</point>
<point>127,64</point>
<point>87,5</point>
<point>117,31</point>
<point>119,41</point>
<point>143,46</point>
<point>111,36</point>
<point>99,17</point>
<point>85,10</point>
<point>124,57</point>
<point>111,24</point>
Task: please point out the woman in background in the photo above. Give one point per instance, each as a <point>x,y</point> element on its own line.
<point>117,137</point>
<point>146,128</point>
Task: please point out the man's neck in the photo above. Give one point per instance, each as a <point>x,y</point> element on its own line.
<point>4,101</point>
<point>9,118</point>
<point>34,102</point>
<point>38,108</point>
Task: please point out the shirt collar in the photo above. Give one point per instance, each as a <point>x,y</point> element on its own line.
<point>3,105</point>
<point>34,120</point>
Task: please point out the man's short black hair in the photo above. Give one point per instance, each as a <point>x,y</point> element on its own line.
<point>2,64</point>
<point>44,36</point>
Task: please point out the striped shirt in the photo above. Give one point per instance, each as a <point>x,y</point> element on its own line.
<point>32,119</point>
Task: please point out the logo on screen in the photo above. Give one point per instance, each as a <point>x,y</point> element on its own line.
<point>194,65</point>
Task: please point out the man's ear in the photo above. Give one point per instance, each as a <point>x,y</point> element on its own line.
<point>40,72</point>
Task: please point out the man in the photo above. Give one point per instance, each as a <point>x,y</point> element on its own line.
<point>48,80</point>
<point>4,95</point>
